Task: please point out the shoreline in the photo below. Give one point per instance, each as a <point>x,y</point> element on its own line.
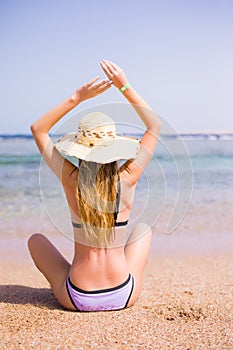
<point>13,247</point>
<point>180,132</point>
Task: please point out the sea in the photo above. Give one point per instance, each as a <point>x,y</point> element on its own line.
<point>186,189</point>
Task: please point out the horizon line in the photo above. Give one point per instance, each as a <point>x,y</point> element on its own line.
<point>190,132</point>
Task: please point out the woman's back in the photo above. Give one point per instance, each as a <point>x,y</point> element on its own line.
<point>93,267</point>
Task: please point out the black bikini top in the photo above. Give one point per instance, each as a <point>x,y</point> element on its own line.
<point>119,223</point>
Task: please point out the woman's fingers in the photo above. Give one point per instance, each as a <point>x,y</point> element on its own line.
<point>114,66</point>
<point>105,83</point>
<point>103,87</point>
<point>111,67</point>
<point>107,69</point>
<point>95,88</point>
<point>101,83</point>
<point>114,73</point>
<point>90,83</point>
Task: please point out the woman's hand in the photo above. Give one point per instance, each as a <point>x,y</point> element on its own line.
<point>91,89</point>
<point>114,73</point>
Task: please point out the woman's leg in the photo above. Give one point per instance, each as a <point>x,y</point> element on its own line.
<point>53,266</point>
<point>136,253</point>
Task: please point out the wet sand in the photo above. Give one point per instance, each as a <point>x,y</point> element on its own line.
<point>186,302</point>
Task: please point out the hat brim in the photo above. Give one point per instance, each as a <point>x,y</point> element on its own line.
<point>121,147</point>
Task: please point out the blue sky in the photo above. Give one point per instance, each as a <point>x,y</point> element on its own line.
<point>177,54</point>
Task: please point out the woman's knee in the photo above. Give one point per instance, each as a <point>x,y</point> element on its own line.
<point>34,239</point>
<point>137,250</point>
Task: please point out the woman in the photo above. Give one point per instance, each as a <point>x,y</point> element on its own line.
<point>105,273</point>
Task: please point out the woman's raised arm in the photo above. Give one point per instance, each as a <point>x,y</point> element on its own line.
<point>147,115</point>
<point>41,127</point>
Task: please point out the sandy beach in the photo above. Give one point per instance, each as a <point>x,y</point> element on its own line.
<point>186,303</point>
<point>187,297</point>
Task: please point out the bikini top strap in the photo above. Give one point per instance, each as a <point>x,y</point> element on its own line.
<point>117,198</point>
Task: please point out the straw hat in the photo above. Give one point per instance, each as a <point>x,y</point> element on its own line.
<point>97,141</point>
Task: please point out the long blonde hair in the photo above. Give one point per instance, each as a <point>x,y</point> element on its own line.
<point>96,193</point>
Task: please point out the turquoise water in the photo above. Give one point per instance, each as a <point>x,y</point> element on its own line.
<point>184,172</point>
